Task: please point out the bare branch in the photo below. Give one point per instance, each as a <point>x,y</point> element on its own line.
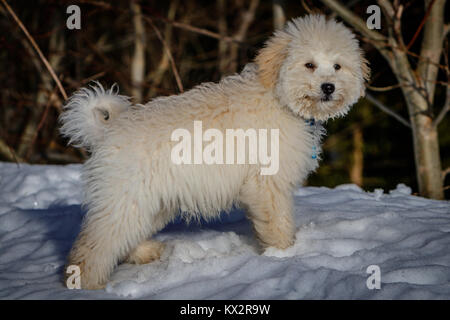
<point>279,17</point>
<point>388,8</point>
<point>36,47</point>
<point>445,173</point>
<point>422,23</point>
<point>138,60</point>
<point>387,110</point>
<point>8,152</point>
<point>446,106</point>
<point>409,53</point>
<point>169,54</point>
<point>50,100</point>
<point>76,84</point>
<point>198,30</point>
<point>444,110</point>
<point>247,17</point>
<point>383,89</point>
<point>356,22</point>
<point>176,24</point>
<point>306,7</point>
<point>223,27</point>
<point>157,75</point>
<point>432,45</point>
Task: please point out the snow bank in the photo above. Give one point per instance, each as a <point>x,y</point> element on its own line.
<point>340,233</point>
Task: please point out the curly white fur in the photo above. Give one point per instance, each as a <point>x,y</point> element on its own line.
<point>132,189</point>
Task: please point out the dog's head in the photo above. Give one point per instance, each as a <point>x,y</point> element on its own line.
<point>314,67</point>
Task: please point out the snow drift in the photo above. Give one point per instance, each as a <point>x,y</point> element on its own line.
<point>340,233</point>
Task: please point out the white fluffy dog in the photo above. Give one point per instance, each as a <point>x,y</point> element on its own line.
<point>313,69</point>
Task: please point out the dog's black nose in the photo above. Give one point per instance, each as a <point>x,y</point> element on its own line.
<point>327,88</point>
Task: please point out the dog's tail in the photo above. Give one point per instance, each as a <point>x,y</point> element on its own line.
<point>89,112</point>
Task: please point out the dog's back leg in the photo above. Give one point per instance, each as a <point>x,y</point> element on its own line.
<point>270,210</point>
<point>103,241</point>
<point>114,226</point>
<point>146,252</point>
<point>150,250</point>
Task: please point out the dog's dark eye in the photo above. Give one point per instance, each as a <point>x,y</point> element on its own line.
<point>310,65</point>
<point>337,67</point>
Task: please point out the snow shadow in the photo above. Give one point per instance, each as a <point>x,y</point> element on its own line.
<point>233,220</point>
<point>59,225</point>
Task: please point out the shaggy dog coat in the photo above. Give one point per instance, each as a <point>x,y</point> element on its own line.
<point>310,71</point>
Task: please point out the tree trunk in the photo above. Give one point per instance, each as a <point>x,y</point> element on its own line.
<point>425,136</point>
<point>138,60</point>
<point>426,149</point>
<point>356,170</point>
<point>418,85</point>
<point>279,18</point>
<point>223,45</point>
<point>426,145</point>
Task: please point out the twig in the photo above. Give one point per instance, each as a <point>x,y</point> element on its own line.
<point>375,38</point>
<point>157,75</point>
<point>409,53</point>
<point>383,89</point>
<point>247,17</point>
<point>446,106</point>
<point>393,16</point>
<point>384,108</point>
<point>444,110</point>
<point>422,23</point>
<point>176,24</point>
<point>108,61</point>
<point>445,173</point>
<point>387,6</point>
<point>198,30</point>
<point>306,7</point>
<point>222,26</point>
<point>356,22</point>
<point>138,59</point>
<point>41,122</point>
<point>77,84</point>
<point>169,54</point>
<point>36,47</point>
<point>279,16</point>
<point>9,153</point>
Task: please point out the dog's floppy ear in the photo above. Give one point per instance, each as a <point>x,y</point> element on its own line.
<point>365,69</point>
<point>270,58</point>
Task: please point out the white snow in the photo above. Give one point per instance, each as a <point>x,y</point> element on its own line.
<point>340,232</point>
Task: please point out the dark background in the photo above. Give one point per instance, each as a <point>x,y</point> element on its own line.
<point>103,50</point>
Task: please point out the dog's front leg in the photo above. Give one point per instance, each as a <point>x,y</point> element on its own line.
<point>270,210</point>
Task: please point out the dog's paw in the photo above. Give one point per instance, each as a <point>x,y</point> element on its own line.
<point>77,276</point>
<point>146,252</point>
